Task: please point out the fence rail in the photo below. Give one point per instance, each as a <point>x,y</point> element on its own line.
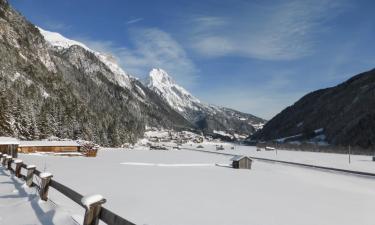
<point>94,211</point>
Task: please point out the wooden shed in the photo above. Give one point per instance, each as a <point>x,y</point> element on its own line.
<point>241,162</point>
<point>48,146</point>
<point>9,145</point>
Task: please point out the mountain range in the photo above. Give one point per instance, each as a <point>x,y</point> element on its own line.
<point>206,117</point>
<point>53,86</point>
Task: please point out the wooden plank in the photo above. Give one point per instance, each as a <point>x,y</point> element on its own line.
<point>111,218</point>
<point>68,192</point>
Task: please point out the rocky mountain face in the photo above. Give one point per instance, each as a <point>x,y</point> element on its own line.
<point>51,89</point>
<point>208,118</point>
<point>342,115</point>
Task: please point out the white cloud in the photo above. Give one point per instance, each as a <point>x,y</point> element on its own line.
<point>52,25</point>
<point>152,47</point>
<point>278,31</point>
<point>156,48</point>
<point>134,21</point>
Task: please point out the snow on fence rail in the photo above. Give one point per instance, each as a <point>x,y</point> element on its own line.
<point>94,211</point>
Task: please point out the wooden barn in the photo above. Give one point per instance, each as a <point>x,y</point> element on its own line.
<point>241,162</point>
<point>48,146</point>
<point>9,145</point>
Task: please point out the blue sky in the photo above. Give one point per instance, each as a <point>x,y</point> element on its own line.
<point>255,56</point>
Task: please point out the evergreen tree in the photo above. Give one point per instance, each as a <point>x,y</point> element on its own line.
<point>5,115</point>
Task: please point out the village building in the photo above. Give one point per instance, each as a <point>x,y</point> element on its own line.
<point>241,162</point>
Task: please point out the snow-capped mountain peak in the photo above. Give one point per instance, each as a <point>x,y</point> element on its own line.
<point>176,96</point>
<point>60,42</point>
<point>207,117</point>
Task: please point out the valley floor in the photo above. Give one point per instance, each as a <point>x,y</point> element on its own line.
<point>357,162</point>
<point>185,187</point>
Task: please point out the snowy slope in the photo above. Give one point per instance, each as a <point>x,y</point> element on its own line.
<point>61,42</point>
<point>213,117</point>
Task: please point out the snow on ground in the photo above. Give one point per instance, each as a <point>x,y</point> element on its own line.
<point>358,162</point>
<point>20,205</point>
<point>271,194</point>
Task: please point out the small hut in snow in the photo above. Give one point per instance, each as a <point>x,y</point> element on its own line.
<point>241,162</point>
<point>9,145</point>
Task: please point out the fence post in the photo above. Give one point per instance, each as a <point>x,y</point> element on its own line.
<point>44,186</point>
<point>4,158</point>
<point>9,162</point>
<point>30,175</point>
<point>93,204</point>
<point>18,163</point>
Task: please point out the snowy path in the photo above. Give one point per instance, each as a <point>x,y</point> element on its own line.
<point>271,194</point>
<point>20,205</point>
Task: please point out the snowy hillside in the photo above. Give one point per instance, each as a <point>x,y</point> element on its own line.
<point>204,116</point>
<point>60,42</point>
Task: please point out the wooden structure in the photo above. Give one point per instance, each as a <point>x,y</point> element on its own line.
<point>9,145</point>
<point>241,162</point>
<point>48,146</point>
<point>91,153</point>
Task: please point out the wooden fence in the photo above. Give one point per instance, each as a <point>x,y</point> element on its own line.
<point>92,204</point>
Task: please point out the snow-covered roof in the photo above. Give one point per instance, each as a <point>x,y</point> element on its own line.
<point>239,157</point>
<point>9,141</point>
<point>48,143</point>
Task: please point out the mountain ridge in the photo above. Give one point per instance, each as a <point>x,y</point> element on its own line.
<point>346,112</point>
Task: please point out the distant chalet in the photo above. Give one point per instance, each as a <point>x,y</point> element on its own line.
<point>48,146</point>
<point>241,162</point>
<point>11,146</point>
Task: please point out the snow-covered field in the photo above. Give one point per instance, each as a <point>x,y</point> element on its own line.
<point>185,187</point>
<point>20,205</point>
<point>358,162</point>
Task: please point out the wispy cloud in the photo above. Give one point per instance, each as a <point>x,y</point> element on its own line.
<point>56,26</point>
<point>282,30</point>
<point>134,21</point>
<point>152,47</point>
